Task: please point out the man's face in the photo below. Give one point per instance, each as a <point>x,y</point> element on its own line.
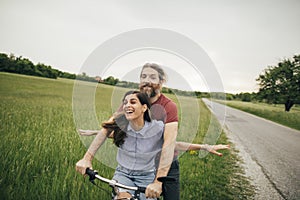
<point>149,82</point>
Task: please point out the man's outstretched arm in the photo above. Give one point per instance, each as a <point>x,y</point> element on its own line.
<point>184,146</point>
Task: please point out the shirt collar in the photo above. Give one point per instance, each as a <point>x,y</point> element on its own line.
<point>142,131</point>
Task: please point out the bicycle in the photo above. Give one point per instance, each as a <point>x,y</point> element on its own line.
<point>115,185</point>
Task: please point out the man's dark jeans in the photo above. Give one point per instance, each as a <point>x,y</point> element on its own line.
<point>171,189</point>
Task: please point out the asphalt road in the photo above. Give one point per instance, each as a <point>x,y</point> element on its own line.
<point>271,152</point>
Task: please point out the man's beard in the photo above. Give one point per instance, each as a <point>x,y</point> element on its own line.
<point>151,91</point>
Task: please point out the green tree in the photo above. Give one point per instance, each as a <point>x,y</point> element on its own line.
<point>111,80</point>
<point>244,96</point>
<point>281,83</point>
<point>24,66</point>
<point>4,62</point>
<point>66,75</point>
<point>84,77</point>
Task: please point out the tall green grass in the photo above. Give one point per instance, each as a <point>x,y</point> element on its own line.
<point>40,146</point>
<point>274,113</point>
<point>212,177</point>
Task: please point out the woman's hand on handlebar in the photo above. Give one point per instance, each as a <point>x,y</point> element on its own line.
<point>154,190</point>
<point>82,165</point>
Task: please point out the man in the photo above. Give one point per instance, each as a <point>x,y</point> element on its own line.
<point>152,78</point>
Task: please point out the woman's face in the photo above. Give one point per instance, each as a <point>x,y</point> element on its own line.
<point>133,108</point>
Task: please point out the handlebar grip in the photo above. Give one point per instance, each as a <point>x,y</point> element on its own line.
<point>91,173</point>
<point>142,189</point>
<point>166,179</point>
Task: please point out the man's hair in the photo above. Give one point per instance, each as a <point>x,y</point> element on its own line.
<point>161,73</point>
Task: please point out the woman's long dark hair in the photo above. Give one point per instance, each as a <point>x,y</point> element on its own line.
<point>120,123</point>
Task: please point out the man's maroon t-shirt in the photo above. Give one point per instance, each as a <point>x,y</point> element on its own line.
<point>164,109</point>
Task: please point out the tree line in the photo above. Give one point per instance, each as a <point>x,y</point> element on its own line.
<point>11,63</point>
<point>20,65</point>
<point>279,84</point>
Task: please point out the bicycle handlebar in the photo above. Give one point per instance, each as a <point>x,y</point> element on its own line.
<point>94,175</point>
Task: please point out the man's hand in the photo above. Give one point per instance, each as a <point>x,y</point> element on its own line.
<point>154,190</point>
<point>214,148</point>
<point>88,132</point>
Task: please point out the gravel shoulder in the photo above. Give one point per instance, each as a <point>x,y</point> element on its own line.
<point>263,187</point>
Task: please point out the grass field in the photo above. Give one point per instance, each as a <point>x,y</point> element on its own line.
<point>40,146</point>
<point>271,112</point>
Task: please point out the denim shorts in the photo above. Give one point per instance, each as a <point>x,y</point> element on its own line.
<point>134,178</point>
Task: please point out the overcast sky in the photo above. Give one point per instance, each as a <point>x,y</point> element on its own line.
<point>241,37</point>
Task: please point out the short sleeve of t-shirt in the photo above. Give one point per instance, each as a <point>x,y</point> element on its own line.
<point>171,110</point>
<point>164,110</point>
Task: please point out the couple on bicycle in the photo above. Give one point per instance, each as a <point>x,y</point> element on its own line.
<point>147,147</point>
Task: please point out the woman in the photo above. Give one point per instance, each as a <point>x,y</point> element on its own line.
<point>139,140</point>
